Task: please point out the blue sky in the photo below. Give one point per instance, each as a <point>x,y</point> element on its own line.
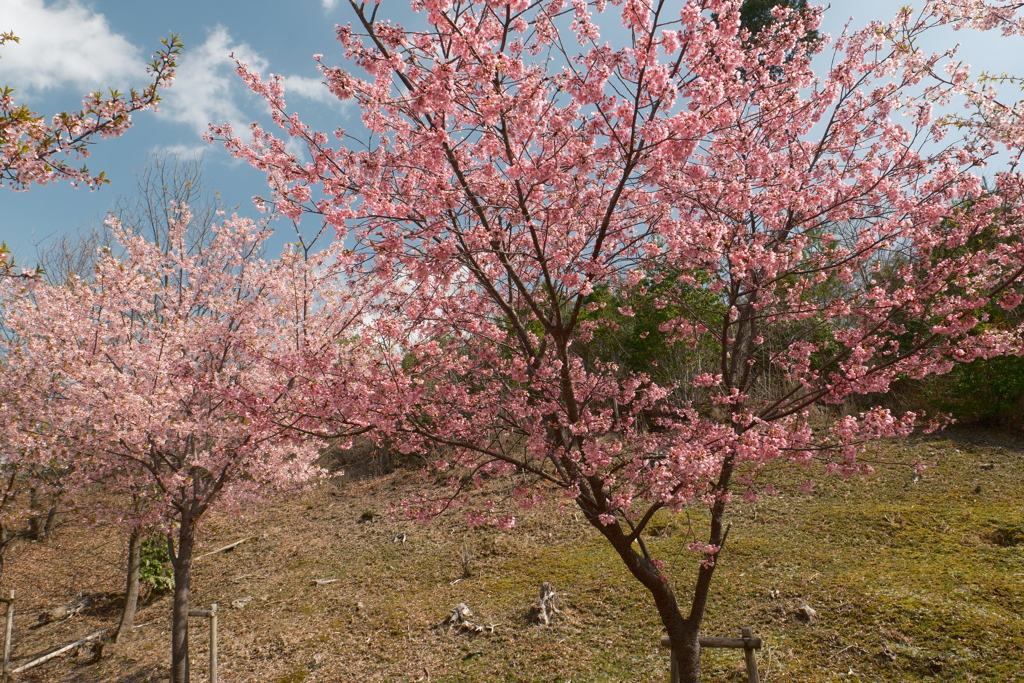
<point>70,47</point>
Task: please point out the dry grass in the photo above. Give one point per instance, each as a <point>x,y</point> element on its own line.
<point>911,581</point>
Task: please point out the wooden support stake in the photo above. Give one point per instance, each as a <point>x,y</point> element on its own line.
<point>748,654</point>
<point>229,546</point>
<point>213,646</point>
<point>57,653</point>
<point>748,643</point>
<point>7,634</point>
<point>210,614</point>
<point>751,643</point>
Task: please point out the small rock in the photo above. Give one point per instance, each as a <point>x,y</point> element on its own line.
<point>987,466</point>
<point>805,612</point>
<point>240,603</point>
<point>461,620</point>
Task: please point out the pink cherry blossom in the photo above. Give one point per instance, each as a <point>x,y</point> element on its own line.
<point>819,232</point>
<point>34,150</point>
<point>171,375</point>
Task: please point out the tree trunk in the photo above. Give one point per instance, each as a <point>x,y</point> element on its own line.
<point>687,660</point>
<point>39,527</point>
<point>131,592</point>
<point>182,563</point>
<point>683,632</point>
<point>35,521</point>
<point>51,519</point>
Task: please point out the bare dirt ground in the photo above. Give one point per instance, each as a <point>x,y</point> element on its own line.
<point>910,581</point>
<point>377,621</point>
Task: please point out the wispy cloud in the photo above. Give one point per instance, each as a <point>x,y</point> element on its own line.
<point>65,44</point>
<point>329,4</point>
<point>311,89</point>
<point>206,88</point>
<point>187,152</point>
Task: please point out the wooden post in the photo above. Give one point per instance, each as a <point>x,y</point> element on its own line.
<point>748,654</point>
<point>210,614</point>
<point>213,645</point>
<point>58,652</point>
<point>748,643</point>
<point>7,634</point>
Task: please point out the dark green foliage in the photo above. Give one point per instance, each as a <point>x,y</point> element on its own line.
<point>986,391</point>
<point>989,392</point>
<point>155,564</point>
<point>636,343</point>
<point>756,15</point>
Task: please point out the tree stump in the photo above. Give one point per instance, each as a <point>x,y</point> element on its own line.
<point>547,606</point>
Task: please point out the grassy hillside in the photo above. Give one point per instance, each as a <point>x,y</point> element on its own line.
<point>909,581</point>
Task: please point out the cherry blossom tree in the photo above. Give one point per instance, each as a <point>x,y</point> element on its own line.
<point>24,479</point>
<point>806,228</point>
<point>34,150</point>
<point>164,377</point>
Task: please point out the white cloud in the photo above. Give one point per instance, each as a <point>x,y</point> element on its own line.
<point>310,88</point>
<point>329,4</point>
<point>207,89</point>
<point>186,152</point>
<point>65,44</point>
<point>298,148</point>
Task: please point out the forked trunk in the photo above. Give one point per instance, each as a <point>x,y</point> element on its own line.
<point>683,636</point>
<point>131,592</point>
<point>39,526</point>
<point>683,632</point>
<point>182,562</point>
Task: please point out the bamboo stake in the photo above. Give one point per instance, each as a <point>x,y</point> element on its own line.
<point>57,653</point>
<point>7,634</point>
<point>229,546</point>
<point>213,644</point>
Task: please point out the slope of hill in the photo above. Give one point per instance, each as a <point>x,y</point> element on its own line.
<point>908,581</point>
